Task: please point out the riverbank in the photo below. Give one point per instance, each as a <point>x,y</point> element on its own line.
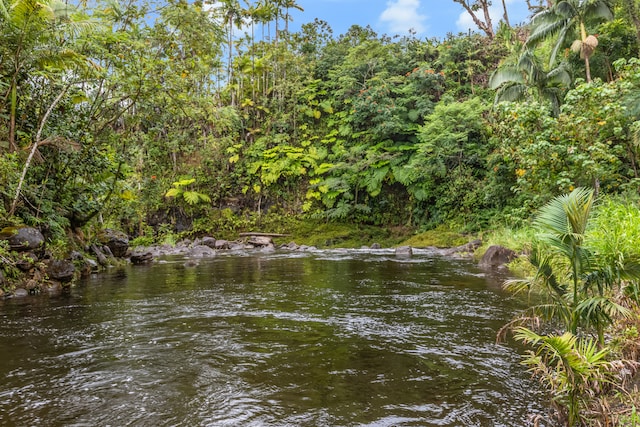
<point>32,266</point>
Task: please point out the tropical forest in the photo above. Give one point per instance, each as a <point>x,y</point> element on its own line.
<point>166,121</point>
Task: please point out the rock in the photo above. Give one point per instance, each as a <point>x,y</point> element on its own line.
<point>91,264</point>
<point>138,258</point>
<point>61,270</point>
<point>235,246</point>
<point>27,261</point>
<point>100,256</point>
<point>20,293</point>
<point>117,241</point>
<point>54,288</point>
<point>467,248</point>
<point>106,250</point>
<point>208,241</point>
<point>268,249</point>
<point>202,251</point>
<point>23,239</point>
<point>497,256</point>
<point>76,256</point>
<point>404,251</point>
<point>191,263</point>
<point>376,246</point>
<point>221,244</point>
<point>31,285</point>
<point>260,241</point>
<point>292,246</point>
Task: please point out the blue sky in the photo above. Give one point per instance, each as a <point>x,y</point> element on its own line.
<point>430,18</point>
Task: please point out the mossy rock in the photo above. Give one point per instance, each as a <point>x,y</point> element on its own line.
<point>23,239</point>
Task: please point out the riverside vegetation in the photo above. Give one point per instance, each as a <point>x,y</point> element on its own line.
<point>180,119</point>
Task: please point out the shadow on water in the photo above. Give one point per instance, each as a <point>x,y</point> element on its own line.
<point>334,338</point>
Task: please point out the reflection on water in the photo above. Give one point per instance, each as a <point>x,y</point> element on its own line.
<point>337,338</point>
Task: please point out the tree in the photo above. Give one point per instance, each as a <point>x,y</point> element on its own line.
<point>33,41</point>
<point>473,7</point>
<point>565,19</point>
<point>232,15</point>
<point>514,82</point>
<point>576,286</point>
<point>631,9</point>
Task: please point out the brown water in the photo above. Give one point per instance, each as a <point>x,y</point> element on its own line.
<point>339,338</point>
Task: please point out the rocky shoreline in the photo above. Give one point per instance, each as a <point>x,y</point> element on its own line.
<point>33,270</point>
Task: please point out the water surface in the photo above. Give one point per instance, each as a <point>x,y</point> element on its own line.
<point>335,338</point>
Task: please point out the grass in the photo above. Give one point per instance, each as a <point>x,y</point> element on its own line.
<point>441,237</point>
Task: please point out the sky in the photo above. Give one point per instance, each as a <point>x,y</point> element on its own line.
<point>429,18</point>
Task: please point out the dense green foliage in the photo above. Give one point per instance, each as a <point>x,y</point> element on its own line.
<point>104,109</point>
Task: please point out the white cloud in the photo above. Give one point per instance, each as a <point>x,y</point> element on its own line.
<point>402,16</point>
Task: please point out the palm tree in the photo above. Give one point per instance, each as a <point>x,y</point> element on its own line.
<point>288,5</point>
<point>515,82</point>
<point>577,287</point>
<point>232,16</point>
<point>570,17</point>
<point>570,367</point>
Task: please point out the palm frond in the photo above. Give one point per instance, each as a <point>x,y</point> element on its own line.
<point>510,92</point>
<point>506,74</point>
<point>599,10</point>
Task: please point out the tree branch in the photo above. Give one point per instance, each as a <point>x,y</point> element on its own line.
<point>36,144</point>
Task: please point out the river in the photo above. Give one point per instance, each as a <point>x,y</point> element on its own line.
<point>331,338</point>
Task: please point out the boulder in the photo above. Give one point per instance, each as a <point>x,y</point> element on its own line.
<point>376,246</point>
<point>260,241</point>
<point>202,251</point>
<point>292,246</point>
<point>268,249</point>
<point>221,244</point>
<point>138,258</point>
<point>404,251</point>
<point>236,246</point>
<point>31,285</point>
<point>22,239</point>
<point>208,241</point>
<point>116,241</point>
<point>497,256</point>
<point>61,270</point>
<point>27,261</point>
